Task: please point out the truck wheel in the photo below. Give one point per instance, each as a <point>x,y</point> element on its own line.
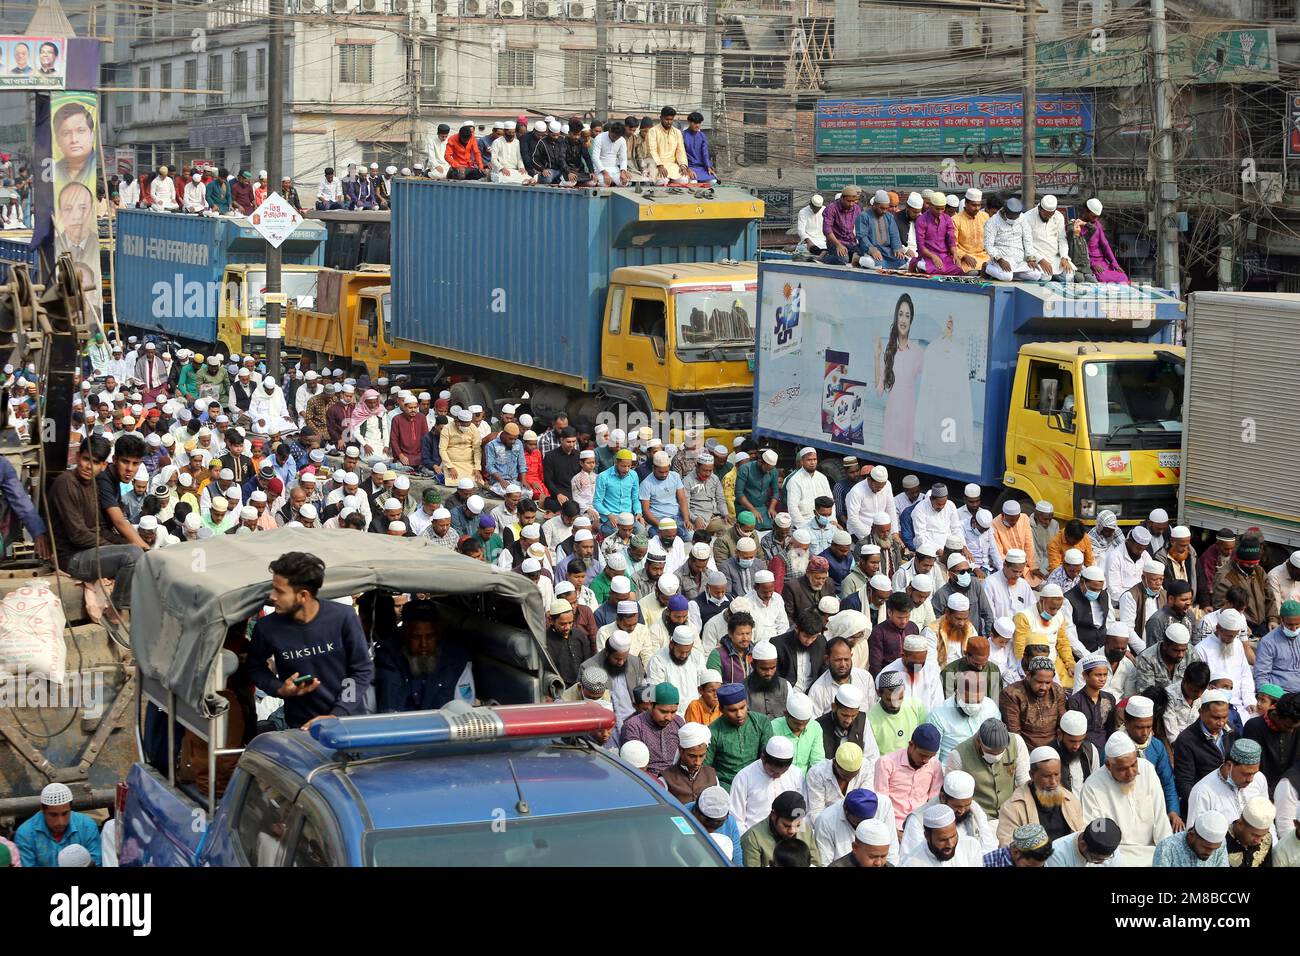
<point>488,396</point>
<point>1012,494</point>
<point>464,394</point>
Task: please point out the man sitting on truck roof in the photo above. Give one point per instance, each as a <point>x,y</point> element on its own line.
<point>322,662</point>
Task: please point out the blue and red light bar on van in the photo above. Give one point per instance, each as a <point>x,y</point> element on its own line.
<point>425,727</point>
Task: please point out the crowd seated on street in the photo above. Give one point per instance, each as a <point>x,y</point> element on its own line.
<point>883,670</point>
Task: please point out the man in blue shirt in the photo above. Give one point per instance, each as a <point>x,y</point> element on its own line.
<point>56,826</point>
<point>15,497</point>
<point>617,491</point>
<point>503,459</point>
<point>1277,661</point>
<point>662,493</point>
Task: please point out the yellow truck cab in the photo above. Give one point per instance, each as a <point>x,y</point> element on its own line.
<point>350,323</point>
<point>372,332</point>
<point>684,333</point>
<point>241,323</point>
<point>1097,427</point>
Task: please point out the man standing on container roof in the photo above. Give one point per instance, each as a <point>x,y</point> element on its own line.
<point>322,662</point>
<point>1049,241</point>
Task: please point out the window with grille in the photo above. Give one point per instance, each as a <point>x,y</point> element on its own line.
<point>191,79</point>
<point>1278,10</point>
<point>259,70</point>
<point>146,81</point>
<point>240,71</point>
<point>216,78</point>
<point>165,81</point>
<point>516,68</point>
<point>672,71</point>
<point>428,73</point>
<point>580,70</point>
<point>356,63</point>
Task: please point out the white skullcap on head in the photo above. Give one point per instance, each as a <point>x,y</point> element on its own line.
<point>440,514</point>
<point>874,832</point>
<point>1039,754</point>
<point>1139,706</point>
<point>530,566</point>
<point>55,795</point>
<point>1005,627</point>
<point>915,201</point>
<point>1118,629</point>
<point>634,751</point>
<point>1159,516</point>
<point>975,195</point>
<point>1075,556</point>
<point>923,583</point>
<point>1259,812</point>
<point>1211,826</point>
<point>780,748</point>
<point>1230,619</point>
<point>958,602</point>
<point>829,605</point>
<point>307,511</point>
<point>746,545</point>
<point>799,706</point>
<point>1141,535</point>
<point>841,537</point>
<point>1153,567</point>
<point>620,584</point>
<point>1011,507</point>
<point>693,735</point>
<point>762,651</point>
<point>959,785</point>
<point>246,513</point>
<point>881,582</point>
<point>75,855</point>
<point>915,642</point>
<point>940,815</point>
<point>1214,696</point>
<point>1015,556</point>
<point>1177,633</point>
<point>1120,744</point>
<point>1094,206</point>
<point>1074,723</point>
<point>530,531</point>
<point>740,605</point>
<point>1051,591</point>
<point>685,635</point>
<point>818,199</point>
<point>620,641</point>
<point>849,696</point>
<point>802,536</point>
<point>1048,203</point>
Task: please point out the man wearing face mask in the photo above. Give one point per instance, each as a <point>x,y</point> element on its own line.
<point>1243,570</point>
<point>962,580</point>
<point>997,760</point>
<point>1047,624</point>
<point>1087,609</point>
<point>961,715</point>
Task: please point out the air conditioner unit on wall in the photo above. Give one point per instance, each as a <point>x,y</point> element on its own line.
<point>546,10</point>
<point>311,6</point>
<point>422,24</point>
<point>341,6</point>
<point>579,10</point>
<point>401,6</point>
<point>510,8</point>
<point>446,8</point>
<point>372,6</point>
<point>634,12</point>
<point>473,8</point>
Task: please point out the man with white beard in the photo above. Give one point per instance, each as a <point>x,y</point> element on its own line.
<point>1224,653</point>
<point>1043,800</point>
<point>1126,789</point>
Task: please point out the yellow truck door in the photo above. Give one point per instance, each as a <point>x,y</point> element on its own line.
<point>234,303</point>
<point>1040,442</point>
<point>636,340</point>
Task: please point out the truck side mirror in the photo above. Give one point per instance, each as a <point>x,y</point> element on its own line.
<point>659,346</point>
<point>1062,421</point>
<point>1047,389</point>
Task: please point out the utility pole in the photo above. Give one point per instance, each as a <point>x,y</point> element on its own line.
<point>274,162</point>
<point>711,61</point>
<point>416,73</point>
<point>1167,264</point>
<point>1029,124</point>
<point>602,61</point>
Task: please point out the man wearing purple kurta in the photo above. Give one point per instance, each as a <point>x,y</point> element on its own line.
<point>697,150</point>
<point>839,223</point>
<point>936,243</point>
<point>1105,267</point>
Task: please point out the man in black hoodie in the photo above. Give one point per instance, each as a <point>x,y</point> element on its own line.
<point>578,168</point>
<point>549,156</point>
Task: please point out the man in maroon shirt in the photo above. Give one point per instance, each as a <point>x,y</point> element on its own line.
<point>886,640</point>
<point>242,193</point>
<point>407,432</point>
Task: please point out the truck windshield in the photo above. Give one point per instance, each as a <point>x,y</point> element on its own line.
<point>652,836</point>
<point>1134,404</point>
<point>708,319</point>
<point>300,287</point>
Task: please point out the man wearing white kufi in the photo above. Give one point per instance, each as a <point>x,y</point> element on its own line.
<point>768,607</point>
<point>680,663</point>
<point>1076,764</point>
<point>837,824</point>
<point>921,676</point>
<point>507,162</point>
<point>943,844</point>
<point>689,777</point>
<point>1223,652</point>
<point>1125,789</point>
<point>958,793</point>
<point>267,409</point>
<point>756,785</point>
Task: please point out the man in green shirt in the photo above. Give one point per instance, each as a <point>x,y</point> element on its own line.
<point>738,736</point>
<point>757,489</point>
<point>894,716</point>
<point>809,745</point>
<point>787,821</point>
<point>975,660</point>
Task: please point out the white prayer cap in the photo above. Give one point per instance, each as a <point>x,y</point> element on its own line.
<point>975,195</point>
<point>402,483</point>
<point>841,537</point>
<point>1120,744</point>
<point>799,706</point>
<point>532,566</point>
<point>1177,633</point>
<point>463,415</point>
<point>307,511</point>
<point>940,815</point>
<point>915,642</point>
<point>762,577</point>
<point>553,127</point>
<point>559,606</point>
<point>1211,826</point>
<point>498,124</point>
<point>661,459</point>
<point>769,457</point>
<point>619,640</point>
<point>869,550</point>
<point>1150,566</point>
<point>1039,754</point>
<point>685,635</point>
<point>1011,507</point>
<point>952,201</point>
<point>1048,203</point>
<point>972,491</point>
<point>700,551</point>
<point>984,517</point>
<point>1074,556</point>
<point>142,473</point>
<point>246,513</point>
<point>475,504</point>
<point>709,676</point>
<point>1139,706</point>
<point>829,605</point>
<point>1159,516</point>
<point>873,832</point>
<point>441,514</point>
<point>390,504</point>
<point>634,752</point>
<point>763,650</point>
<point>351,478</point>
<point>923,583</point>
<point>616,561</point>
<point>219,505</point>
<point>879,473</point>
<point>1005,627</point>
<point>693,735</point>
<point>1230,619</point>
<point>75,855</point>
<point>1074,723</point>
<point>802,536</point>
<point>1259,812</point>
<point>1214,696</point>
<point>1015,556</point>
<point>625,518</point>
<point>1118,629</point>
<point>746,545</point>
<point>148,523</point>
<point>959,785</point>
<point>740,605</point>
<point>1044,507</point>
<point>818,199</point>
<point>847,623</point>
<point>1091,572</point>
<point>881,582</point>
<point>1180,532</point>
<point>1051,591</point>
<point>958,602</point>
<point>583,534</point>
<point>953,543</point>
<point>1094,206</point>
<point>589,453</point>
<point>233,493</point>
<point>915,201</point>
<point>259,495</point>
<point>620,585</point>
<point>192,522</point>
<point>780,748</point>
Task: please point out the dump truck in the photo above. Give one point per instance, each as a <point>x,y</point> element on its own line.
<point>632,306</point>
<point>1034,391</point>
<point>1241,431</point>
<point>350,324</point>
<point>201,280</point>
<point>356,239</point>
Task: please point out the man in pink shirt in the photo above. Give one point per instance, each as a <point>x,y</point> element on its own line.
<point>911,775</point>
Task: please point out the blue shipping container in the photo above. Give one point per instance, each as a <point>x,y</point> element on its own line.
<point>518,274</point>
<point>170,267</point>
<point>815,361</point>
<point>18,251</point>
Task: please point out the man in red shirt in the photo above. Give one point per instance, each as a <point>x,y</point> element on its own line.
<point>407,432</point>
<point>464,159</point>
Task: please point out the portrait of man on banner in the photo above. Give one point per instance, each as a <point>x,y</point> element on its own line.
<point>73,118</point>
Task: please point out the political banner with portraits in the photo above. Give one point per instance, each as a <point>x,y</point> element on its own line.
<point>75,164</point>
<point>33,63</point>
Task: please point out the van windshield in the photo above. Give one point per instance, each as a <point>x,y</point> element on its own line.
<point>709,319</point>
<point>1134,404</point>
<point>649,836</point>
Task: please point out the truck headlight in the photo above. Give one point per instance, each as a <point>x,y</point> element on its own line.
<point>1087,507</point>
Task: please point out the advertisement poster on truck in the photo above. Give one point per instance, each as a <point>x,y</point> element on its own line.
<point>899,377</point>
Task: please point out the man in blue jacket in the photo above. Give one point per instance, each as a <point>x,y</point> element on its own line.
<point>416,669</point>
<point>877,231</point>
<point>56,826</point>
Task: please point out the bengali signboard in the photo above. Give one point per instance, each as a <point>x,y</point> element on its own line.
<point>1292,147</point>
<point>778,206</point>
<point>920,126</point>
<point>1227,56</point>
<point>213,132</point>
<point>1061,179</point>
<point>275,219</point>
<point>73,117</point>
<point>32,63</point>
